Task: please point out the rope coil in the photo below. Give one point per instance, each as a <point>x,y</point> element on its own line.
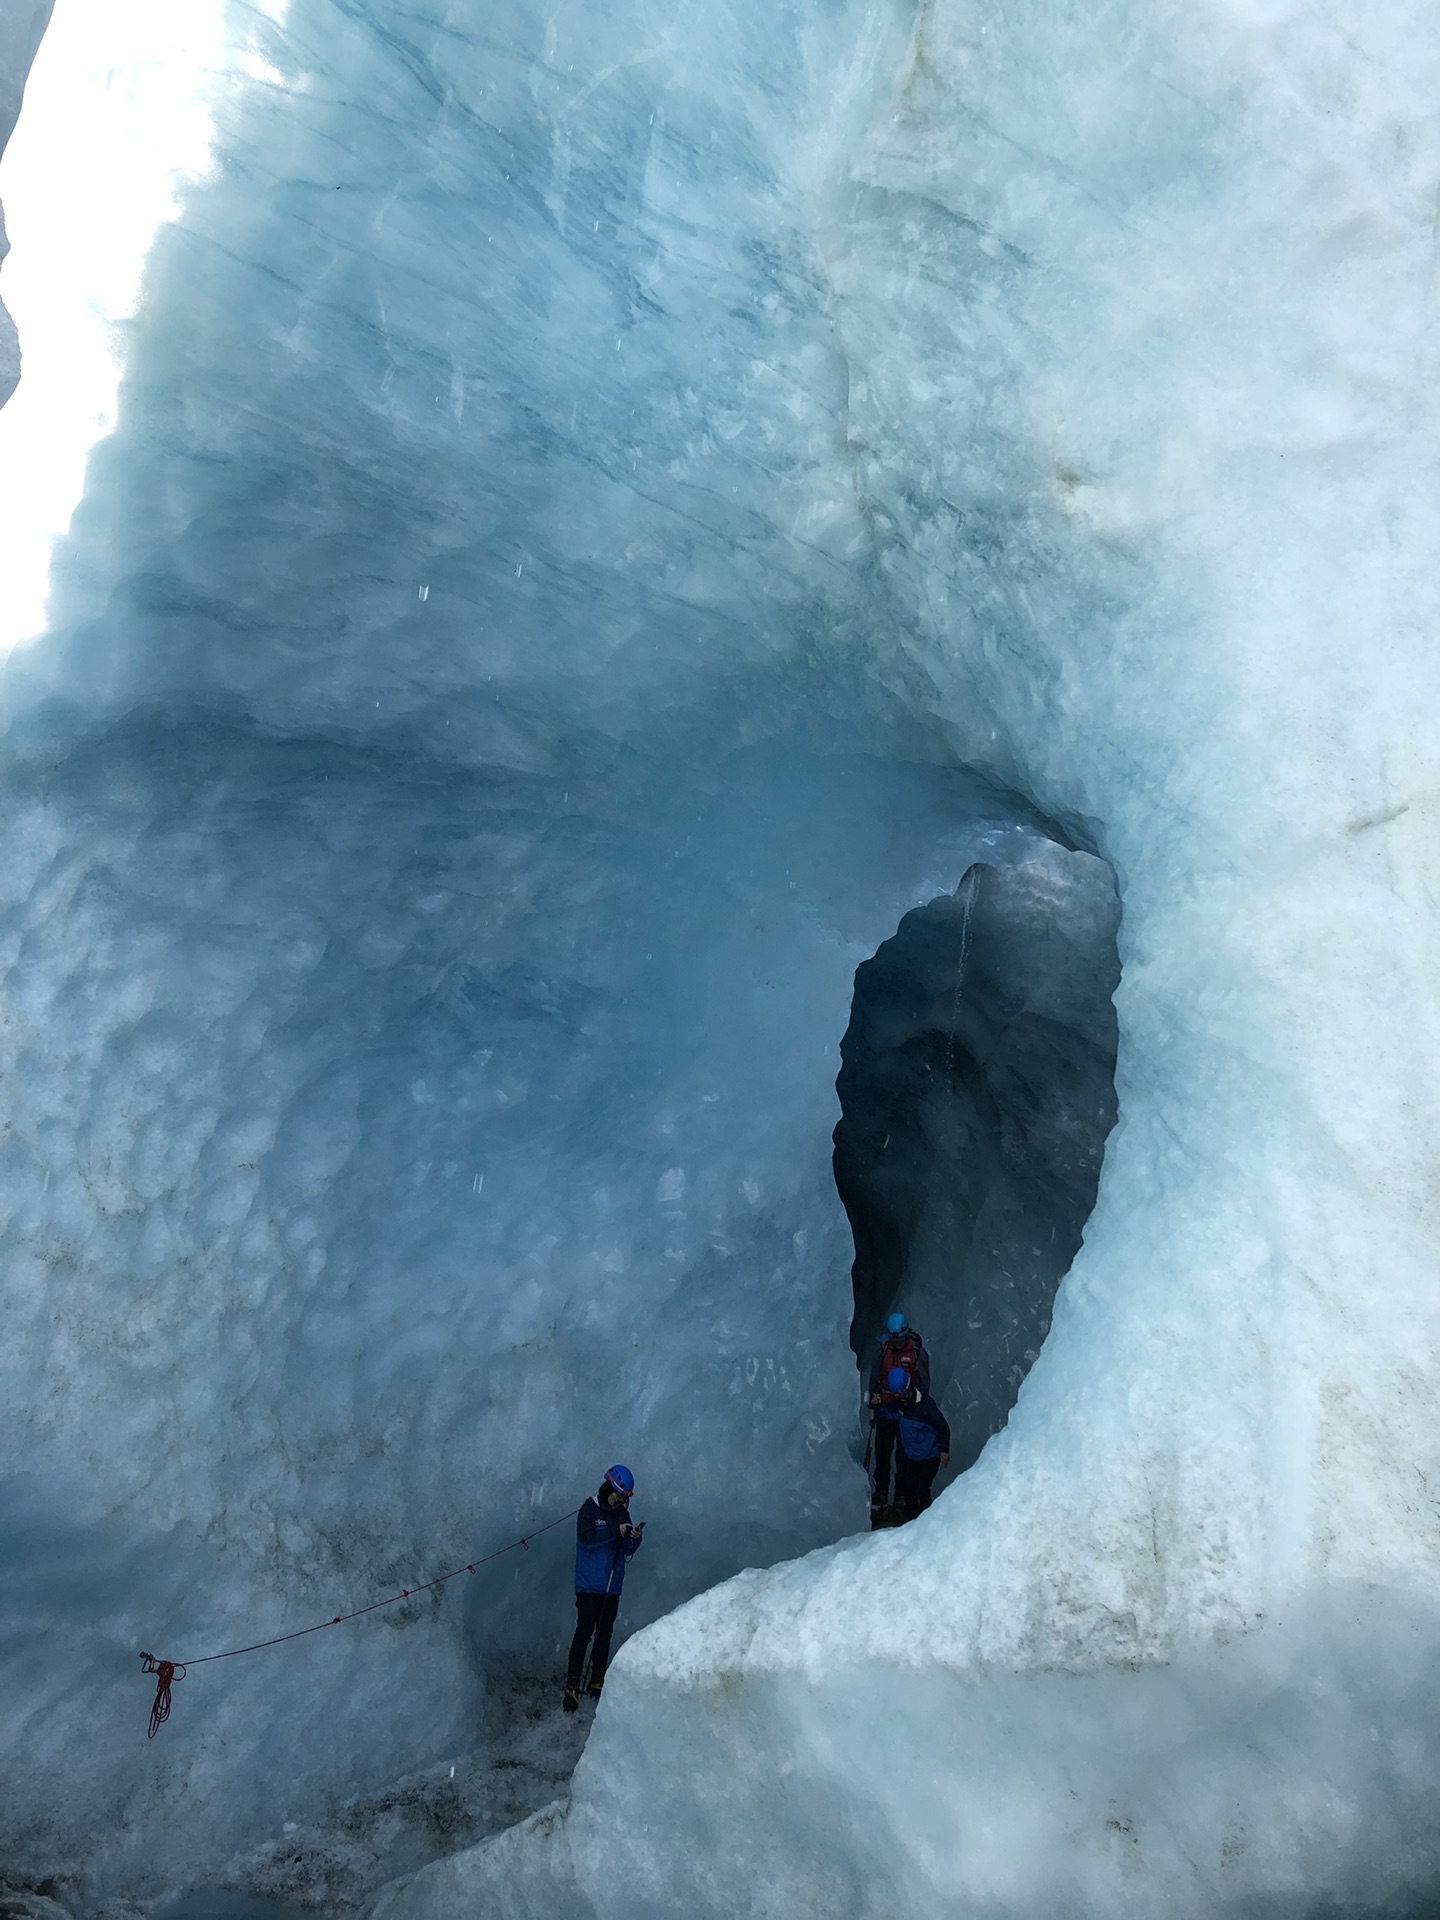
<point>167,1672</point>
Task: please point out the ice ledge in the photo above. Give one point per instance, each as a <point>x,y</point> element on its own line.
<point>1288,1765</point>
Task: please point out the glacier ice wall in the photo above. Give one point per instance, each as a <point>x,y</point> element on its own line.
<point>441,827</point>
<point>1136,303</point>
<point>585,485</point>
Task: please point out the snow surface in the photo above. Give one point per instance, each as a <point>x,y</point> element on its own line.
<point>585,486</point>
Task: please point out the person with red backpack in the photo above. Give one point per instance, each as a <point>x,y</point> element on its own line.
<point>899,1346</point>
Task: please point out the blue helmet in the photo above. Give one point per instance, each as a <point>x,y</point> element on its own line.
<point>897,1323</point>
<point>622,1479</point>
<point>898,1380</point>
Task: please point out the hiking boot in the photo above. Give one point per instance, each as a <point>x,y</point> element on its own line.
<point>571,1702</point>
<point>595,1689</point>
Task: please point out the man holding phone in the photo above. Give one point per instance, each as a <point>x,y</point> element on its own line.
<point>606,1539</point>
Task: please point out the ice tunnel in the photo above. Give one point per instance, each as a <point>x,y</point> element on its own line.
<point>610,514</point>
<point>977,1089</point>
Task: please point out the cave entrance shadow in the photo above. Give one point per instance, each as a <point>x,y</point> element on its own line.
<point>977,1090</point>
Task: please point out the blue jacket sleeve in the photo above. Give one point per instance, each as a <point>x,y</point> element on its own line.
<point>929,1412</point>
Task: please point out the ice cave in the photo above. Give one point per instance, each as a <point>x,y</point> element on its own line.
<point>675,676</point>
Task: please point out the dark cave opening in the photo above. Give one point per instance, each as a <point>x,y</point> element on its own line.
<point>977,1090</point>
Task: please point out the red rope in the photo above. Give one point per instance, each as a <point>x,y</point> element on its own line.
<point>165,1672</point>
<point>168,1671</point>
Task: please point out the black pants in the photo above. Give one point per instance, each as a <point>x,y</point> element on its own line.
<point>887,1432</point>
<point>594,1613</point>
<point>913,1481</point>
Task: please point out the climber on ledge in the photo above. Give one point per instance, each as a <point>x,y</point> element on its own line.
<point>605,1540</point>
<point>924,1444</point>
<point>899,1346</point>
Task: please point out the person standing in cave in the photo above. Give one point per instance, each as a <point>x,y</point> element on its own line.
<point>605,1539</point>
<point>899,1346</point>
<point>924,1434</point>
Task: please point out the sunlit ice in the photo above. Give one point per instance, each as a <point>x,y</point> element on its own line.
<point>117,117</point>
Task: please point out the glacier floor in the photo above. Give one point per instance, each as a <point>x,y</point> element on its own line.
<point>335,1864</point>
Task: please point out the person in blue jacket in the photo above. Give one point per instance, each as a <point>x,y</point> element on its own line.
<point>605,1540</point>
<point>924,1443</point>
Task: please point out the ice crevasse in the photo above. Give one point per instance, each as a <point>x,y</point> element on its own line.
<point>859,393</point>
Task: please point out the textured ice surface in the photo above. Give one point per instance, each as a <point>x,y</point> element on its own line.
<point>389,1145</point>
<point>584,485</point>
<point>1142,391</point>
<point>443,828</point>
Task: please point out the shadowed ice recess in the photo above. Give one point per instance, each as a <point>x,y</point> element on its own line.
<point>614,511</point>
<point>976,1094</point>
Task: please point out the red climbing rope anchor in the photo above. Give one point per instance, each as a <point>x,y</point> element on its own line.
<point>168,1671</point>
<point>165,1672</point>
